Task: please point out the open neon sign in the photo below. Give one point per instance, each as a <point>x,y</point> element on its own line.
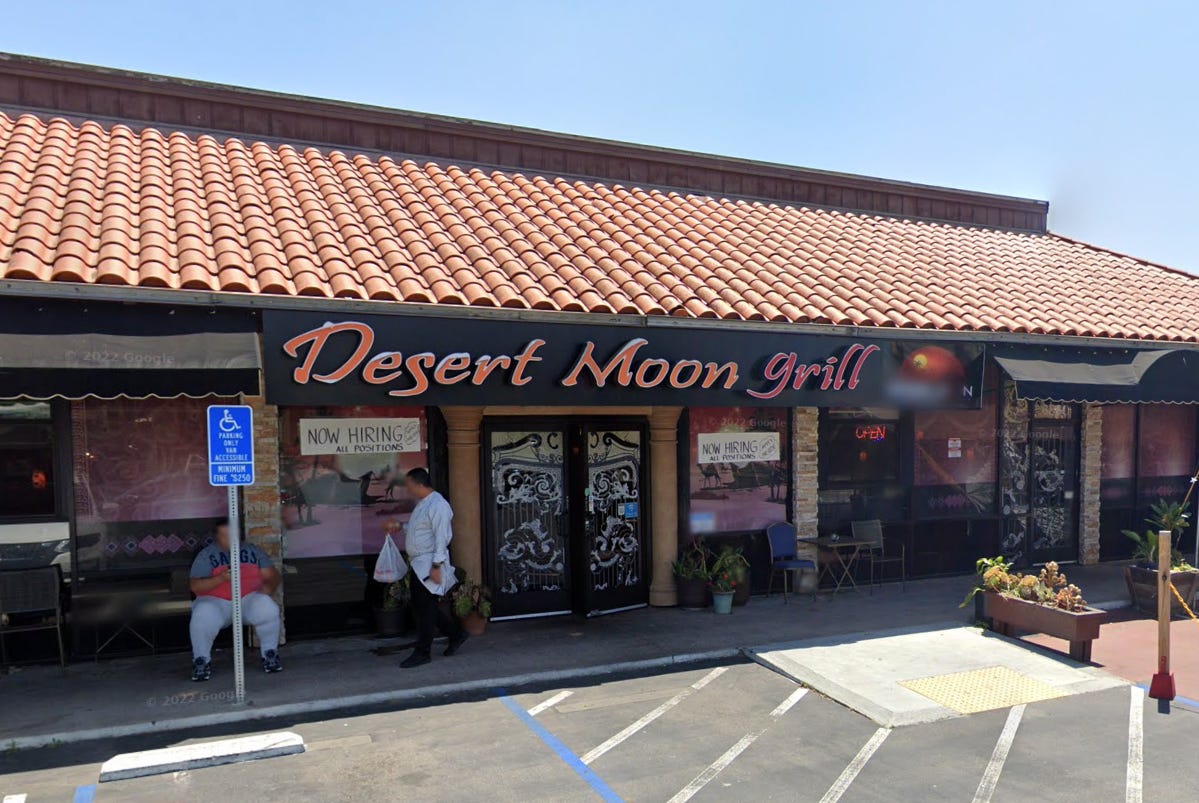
<point>871,432</point>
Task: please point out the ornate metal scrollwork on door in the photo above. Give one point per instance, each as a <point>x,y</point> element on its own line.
<point>1050,455</point>
<point>613,484</point>
<point>527,478</point>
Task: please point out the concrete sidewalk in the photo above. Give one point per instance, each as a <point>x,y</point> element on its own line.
<point>46,705</point>
<point>1128,648</point>
<point>916,675</point>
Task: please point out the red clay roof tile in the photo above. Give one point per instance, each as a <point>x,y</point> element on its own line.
<point>91,203</point>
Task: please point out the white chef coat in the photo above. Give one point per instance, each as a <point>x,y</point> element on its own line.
<point>427,540</point>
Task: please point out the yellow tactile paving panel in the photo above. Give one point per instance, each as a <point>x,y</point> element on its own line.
<point>982,689</point>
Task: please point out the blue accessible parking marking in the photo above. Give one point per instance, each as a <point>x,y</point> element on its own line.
<point>564,752</point>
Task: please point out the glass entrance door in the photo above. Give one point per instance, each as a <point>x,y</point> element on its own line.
<point>1039,462</point>
<point>527,520</point>
<point>1053,483</point>
<point>565,519</point>
<point>613,524</point>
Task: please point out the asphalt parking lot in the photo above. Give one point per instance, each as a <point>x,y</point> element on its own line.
<point>730,732</point>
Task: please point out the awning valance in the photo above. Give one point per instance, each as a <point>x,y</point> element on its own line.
<point>1101,377</point>
<point>76,350</point>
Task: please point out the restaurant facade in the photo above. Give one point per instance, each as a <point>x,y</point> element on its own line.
<point>600,351</point>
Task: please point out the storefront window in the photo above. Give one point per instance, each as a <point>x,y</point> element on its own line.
<point>342,477</point>
<point>27,481</point>
<point>1116,469</point>
<point>861,449</point>
<point>142,498</point>
<point>739,469</point>
<point>860,476</point>
<point>1165,452</point>
<point>956,469</point>
<point>1117,481</point>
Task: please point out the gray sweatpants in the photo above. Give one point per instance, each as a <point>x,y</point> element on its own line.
<point>211,615</point>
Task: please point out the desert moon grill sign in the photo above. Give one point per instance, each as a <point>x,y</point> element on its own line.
<point>322,359</point>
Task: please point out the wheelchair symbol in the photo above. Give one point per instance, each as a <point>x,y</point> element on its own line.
<point>227,424</point>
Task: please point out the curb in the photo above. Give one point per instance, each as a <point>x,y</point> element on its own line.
<point>182,758</point>
<point>249,714</point>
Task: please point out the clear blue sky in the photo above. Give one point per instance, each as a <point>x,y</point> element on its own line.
<point>1093,106</point>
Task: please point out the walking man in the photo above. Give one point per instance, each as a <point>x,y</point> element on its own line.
<point>427,542</point>
<point>212,610</point>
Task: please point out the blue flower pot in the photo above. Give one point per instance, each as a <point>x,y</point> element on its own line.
<point>722,601</point>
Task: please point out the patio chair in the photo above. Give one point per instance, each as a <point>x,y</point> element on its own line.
<point>877,552</point>
<point>781,538</point>
<point>31,591</point>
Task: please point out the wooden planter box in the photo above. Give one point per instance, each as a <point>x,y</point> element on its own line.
<point>1009,615</point>
<point>1142,589</point>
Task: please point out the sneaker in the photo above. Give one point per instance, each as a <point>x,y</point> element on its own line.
<point>414,660</point>
<point>201,670</point>
<point>271,662</point>
<point>455,644</point>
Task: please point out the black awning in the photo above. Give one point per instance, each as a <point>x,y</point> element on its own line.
<point>1103,377</point>
<point>78,349</point>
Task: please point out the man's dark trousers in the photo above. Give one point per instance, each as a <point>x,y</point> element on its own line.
<point>430,617</point>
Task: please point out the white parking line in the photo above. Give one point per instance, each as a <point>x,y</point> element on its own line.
<point>730,755</point>
<point>849,773</point>
<point>986,787</point>
<point>1134,787</point>
<point>596,752</point>
<point>550,703</point>
<point>14,798</point>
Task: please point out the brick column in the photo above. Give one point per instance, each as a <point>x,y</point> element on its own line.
<point>664,513</point>
<point>262,515</point>
<point>805,450</point>
<point>465,492</point>
<point>1088,484</point>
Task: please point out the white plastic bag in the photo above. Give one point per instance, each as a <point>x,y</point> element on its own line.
<point>390,566</point>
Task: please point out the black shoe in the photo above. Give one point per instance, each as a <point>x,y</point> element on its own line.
<point>455,644</point>
<point>414,660</point>
<point>201,670</point>
<point>271,662</point>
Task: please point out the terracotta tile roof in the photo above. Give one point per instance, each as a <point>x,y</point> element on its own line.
<point>109,205</point>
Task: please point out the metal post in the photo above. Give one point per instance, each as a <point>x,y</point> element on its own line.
<point>239,665</point>
<point>1161,687</point>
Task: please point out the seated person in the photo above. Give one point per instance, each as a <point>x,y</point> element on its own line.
<point>212,610</point>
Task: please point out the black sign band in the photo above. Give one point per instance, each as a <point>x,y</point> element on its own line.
<point>322,359</point>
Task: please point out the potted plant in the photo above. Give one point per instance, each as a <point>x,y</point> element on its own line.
<point>691,575</point>
<point>723,589</point>
<point>389,616</point>
<point>472,606</point>
<point>1141,577</point>
<point>988,573</point>
<point>1040,603</point>
<point>734,563</point>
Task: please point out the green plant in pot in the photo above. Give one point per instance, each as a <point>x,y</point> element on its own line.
<point>1141,576</point>
<point>691,575</point>
<point>991,574</point>
<point>1166,516</point>
<point>731,561</point>
<point>724,587</point>
<point>472,605</point>
<point>391,613</point>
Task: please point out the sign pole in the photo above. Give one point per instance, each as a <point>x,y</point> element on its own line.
<point>239,650</point>
<point>1162,685</point>
<point>231,464</point>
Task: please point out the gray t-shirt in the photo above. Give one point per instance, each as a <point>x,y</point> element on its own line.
<point>212,556</point>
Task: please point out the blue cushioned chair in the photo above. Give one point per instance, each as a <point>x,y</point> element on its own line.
<point>781,537</point>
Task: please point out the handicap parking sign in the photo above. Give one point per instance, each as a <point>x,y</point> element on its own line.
<point>230,445</point>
